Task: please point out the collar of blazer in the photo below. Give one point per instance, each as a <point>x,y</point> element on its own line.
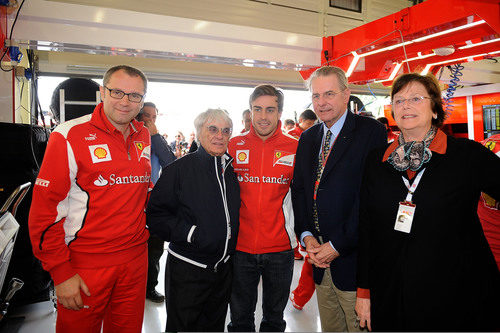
<point>341,144</point>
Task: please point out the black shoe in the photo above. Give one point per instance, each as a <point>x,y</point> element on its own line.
<point>155,296</point>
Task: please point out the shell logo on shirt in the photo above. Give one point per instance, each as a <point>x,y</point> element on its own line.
<point>242,156</point>
<point>283,158</point>
<point>100,153</point>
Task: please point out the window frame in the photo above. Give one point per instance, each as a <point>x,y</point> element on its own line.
<point>360,4</point>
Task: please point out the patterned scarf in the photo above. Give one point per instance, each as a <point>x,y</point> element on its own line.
<point>412,155</point>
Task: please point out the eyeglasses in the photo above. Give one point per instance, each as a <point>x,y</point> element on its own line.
<point>214,130</point>
<point>118,94</point>
<point>326,95</point>
<point>411,101</point>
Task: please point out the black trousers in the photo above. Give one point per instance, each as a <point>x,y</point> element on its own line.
<point>276,271</point>
<point>155,251</point>
<point>197,298</point>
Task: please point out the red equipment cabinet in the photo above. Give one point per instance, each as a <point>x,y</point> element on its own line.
<point>409,39</point>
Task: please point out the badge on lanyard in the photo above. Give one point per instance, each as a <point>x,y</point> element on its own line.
<point>406,210</point>
<point>404,217</point>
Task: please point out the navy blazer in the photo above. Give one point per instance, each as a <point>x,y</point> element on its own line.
<point>338,192</point>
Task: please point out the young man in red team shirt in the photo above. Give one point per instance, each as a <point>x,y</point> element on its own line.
<point>264,162</point>
<point>87,222</point>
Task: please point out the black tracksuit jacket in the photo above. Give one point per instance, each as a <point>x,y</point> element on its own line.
<point>195,206</point>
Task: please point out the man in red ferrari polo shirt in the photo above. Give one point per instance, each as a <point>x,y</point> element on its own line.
<point>264,162</point>
<point>87,222</point>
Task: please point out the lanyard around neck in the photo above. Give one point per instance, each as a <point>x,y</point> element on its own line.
<point>413,187</point>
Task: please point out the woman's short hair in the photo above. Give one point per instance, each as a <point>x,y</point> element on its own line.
<point>431,84</point>
<point>209,115</point>
<point>267,90</point>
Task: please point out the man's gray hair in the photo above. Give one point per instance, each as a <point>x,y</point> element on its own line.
<point>209,115</point>
<point>327,71</point>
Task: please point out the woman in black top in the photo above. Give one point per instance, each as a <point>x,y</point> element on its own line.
<point>423,256</point>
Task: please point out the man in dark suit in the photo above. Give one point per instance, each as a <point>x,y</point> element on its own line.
<point>325,191</point>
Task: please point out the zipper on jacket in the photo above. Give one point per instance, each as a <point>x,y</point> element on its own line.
<point>260,173</point>
<point>127,145</point>
<point>228,222</point>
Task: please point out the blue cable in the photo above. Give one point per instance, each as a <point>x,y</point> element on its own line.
<point>371,90</point>
<point>456,73</point>
<point>371,101</point>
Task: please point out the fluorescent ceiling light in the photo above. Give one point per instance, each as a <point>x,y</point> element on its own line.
<point>395,71</point>
<point>428,66</point>
<point>473,24</point>
<point>393,74</point>
<point>423,38</point>
<point>426,69</point>
<point>392,47</point>
<point>354,62</point>
<point>420,56</point>
<point>477,44</point>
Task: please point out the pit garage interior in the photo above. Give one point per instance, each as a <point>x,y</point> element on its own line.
<point>222,43</point>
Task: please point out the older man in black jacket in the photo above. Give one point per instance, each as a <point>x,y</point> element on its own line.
<point>195,206</point>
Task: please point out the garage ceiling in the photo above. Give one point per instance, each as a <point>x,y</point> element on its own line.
<point>201,39</point>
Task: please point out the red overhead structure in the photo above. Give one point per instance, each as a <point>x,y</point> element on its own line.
<point>421,38</point>
<point>3,26</point>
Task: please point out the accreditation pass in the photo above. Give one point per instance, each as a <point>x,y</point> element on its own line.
<point>404,217</point>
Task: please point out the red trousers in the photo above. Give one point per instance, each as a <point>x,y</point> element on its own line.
<point>118,295</point>
<point>305,289</point>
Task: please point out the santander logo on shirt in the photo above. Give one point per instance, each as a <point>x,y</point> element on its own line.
<point>121,180</point>
<point>100,181</point>
<point>247,178</point>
